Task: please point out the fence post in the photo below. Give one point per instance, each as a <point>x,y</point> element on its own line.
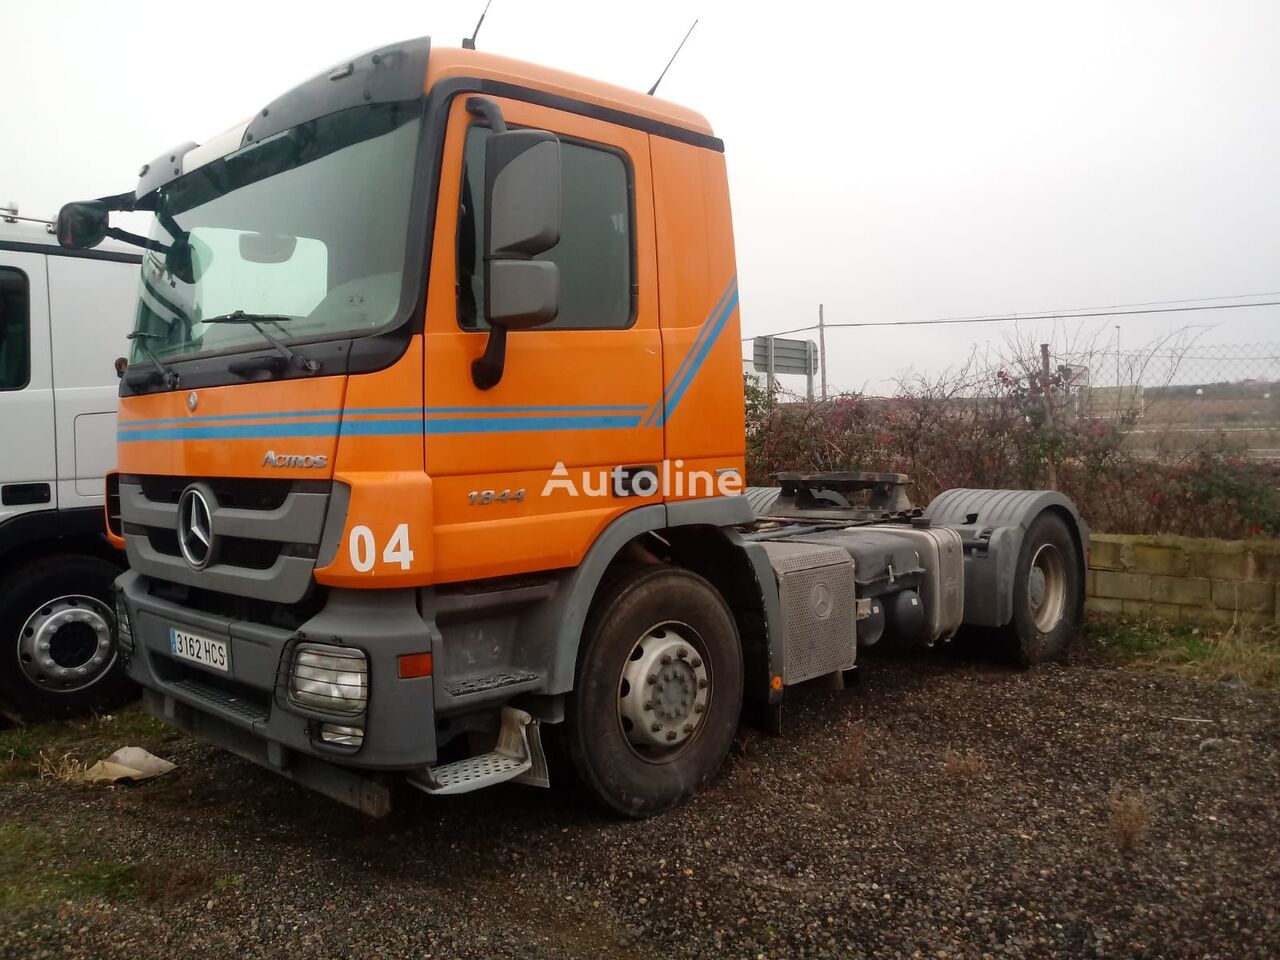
<point>1045,388</point>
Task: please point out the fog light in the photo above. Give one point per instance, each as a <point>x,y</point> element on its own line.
<point>124,626</point>
<point>334,679</point>
<point>342,736</point>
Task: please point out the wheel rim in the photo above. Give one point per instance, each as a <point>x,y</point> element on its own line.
<point>66,644</point>
<point>1047,587</point>
<point>664,691</point>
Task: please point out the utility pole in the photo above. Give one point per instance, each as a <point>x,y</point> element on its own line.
<point>1045,387</point>
<point>822,351</point>
<point>1118,385</point>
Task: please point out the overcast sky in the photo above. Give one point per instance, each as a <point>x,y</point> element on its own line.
<point>893,161</point>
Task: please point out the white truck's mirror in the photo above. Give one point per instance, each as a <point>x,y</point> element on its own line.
<point>82,225</point>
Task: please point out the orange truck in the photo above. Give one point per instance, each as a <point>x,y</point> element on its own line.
<point>431,449</point>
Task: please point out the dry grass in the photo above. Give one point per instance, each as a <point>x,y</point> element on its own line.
<point>63,769</point>
<point>849,760</point>
<point>1130,818</point>
<point>1242,653</point>
<point>965,765</point>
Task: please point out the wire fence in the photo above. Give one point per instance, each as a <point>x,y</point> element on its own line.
<point>1173,401</point>
<point>1173,438</point>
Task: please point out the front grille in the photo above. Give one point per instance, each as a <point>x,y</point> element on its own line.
<point>266,532</point>
<point>114,526</point>
<point>246,493</point>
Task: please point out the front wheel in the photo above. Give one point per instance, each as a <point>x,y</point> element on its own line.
<point>1047,593</point>
<point>658,692</point>
<point>58,645</point>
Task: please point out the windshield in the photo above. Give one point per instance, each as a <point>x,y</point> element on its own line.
<point>308,226</point>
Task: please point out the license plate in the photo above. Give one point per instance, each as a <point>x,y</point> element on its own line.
<point>205,651</point>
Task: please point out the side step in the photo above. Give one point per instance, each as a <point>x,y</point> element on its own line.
<point>518,756</point>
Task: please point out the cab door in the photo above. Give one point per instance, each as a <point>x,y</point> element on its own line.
<point>28,468</point>
<point>524,474</point>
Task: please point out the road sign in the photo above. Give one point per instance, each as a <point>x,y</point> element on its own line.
<point>789,356</point>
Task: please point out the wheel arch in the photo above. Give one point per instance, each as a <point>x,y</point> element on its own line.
<point>46,533</point>
<point>697,535</point>
<point>993,524</point>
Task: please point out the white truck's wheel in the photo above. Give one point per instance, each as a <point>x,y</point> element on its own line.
<point>59,653</point>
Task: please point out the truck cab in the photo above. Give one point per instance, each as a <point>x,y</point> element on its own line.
<point>432,440</point>
<point>63,317</point>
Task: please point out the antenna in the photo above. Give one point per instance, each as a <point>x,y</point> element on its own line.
<point>669,62</point>
<point>469,43</point>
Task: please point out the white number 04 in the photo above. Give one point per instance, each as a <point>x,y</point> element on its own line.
<point>363,549</point>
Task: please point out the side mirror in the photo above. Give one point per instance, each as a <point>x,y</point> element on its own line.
<point>522,220</point>
<point>82,225</point>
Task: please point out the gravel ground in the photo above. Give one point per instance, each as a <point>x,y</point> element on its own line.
<point>939,808</point>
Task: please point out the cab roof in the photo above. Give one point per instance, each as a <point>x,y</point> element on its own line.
<point>448,63</point>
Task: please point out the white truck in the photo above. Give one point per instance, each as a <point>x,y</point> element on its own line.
<point>64,316</point>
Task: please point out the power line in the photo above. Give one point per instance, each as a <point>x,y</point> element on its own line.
<point>1061,315</point>
<point>1141,303</point>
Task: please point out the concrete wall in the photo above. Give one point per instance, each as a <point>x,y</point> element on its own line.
<point>1184,578</point>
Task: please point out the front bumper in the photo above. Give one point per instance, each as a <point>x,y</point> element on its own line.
<point>248,710</point>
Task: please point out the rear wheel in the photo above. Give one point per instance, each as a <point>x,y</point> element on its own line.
<point>58,644</point>
<point>658,692</point>
<point>1047,593</point>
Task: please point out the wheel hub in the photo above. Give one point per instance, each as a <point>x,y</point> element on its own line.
<point>66,644</point>
<point>1035,587</point>
<point>1047,587</point>
<point>664,690</point>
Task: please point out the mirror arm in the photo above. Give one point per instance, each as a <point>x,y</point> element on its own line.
<point>487,110</point>
<point>487,370</point>
<point>132,238</point>
<point>121,201</point>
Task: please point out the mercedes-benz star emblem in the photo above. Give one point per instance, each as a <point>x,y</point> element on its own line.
<point>192,400</point>
<point>195,528</point>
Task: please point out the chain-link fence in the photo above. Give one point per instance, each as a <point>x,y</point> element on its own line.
<point>1174,402</point>
<point>1174,438</point>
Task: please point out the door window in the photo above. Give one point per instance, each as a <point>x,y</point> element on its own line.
<point>595,252</point>
<point>15,329</point>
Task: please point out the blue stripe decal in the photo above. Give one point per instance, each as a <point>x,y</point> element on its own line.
<point>231,431</point>
<point>283,415</point>
<point>518,424</point>
<point>688,357</point>
<point>190,422</point>
<point>679,386</point>
<point>386,428</point>
<point>588,408</point>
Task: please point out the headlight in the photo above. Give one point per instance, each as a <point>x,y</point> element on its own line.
<point>333,679</point>
<point>124,627</point>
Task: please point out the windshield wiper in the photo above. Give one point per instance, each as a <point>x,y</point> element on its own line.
<point>256,320</point>
<point>168,376</point>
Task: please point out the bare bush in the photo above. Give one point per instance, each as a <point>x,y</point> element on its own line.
<point>964,765</point>
<point>1003,421</point>
<point>1130,818</point>
<point>849,762</point>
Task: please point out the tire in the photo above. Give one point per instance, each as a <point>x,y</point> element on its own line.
<point>627,767</point>
<point>1048,571</point>
<point>78,589</point>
